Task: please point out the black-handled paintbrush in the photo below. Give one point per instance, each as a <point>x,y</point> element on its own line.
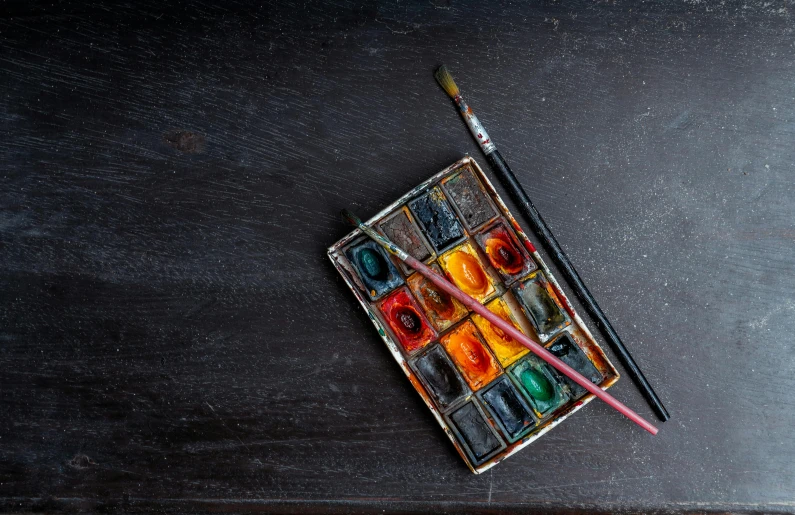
<point>552,246</point>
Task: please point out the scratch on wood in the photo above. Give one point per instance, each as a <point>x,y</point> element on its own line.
<point>227,427</point>
<point>187,142</point>
<point>81,461</point>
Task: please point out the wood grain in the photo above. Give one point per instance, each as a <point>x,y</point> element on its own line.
<point>173,338</point>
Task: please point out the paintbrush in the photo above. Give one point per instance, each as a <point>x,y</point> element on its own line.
<point>552,246</point>
<point>495,320</point>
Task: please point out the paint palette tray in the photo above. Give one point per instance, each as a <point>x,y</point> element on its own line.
<point>489,393</point>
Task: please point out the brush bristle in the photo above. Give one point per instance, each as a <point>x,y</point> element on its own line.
<point>350,218</point>
<point>446,81</point>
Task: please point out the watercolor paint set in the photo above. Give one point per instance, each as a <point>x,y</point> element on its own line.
<point>489,393</point>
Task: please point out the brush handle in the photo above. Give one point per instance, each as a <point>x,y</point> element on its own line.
<point>475,127</point>
<point>562,260</point>
<point>537,349</point>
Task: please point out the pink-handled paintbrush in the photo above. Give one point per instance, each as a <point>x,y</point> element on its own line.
<point>480,309</point>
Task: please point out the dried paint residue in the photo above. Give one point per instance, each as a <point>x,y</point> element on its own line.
<point>440,308</point>
<point>471,356</point>
<point>406,320</point>
<point>504,252</point>
<point>403,233</point>
<point>541,306</point>
<point>435,214</point>
<point>565,348</point>
<point>469,197</point>
<point>509,408</point>
<point>505,347</point>
<point>373,266</point>
<point>479,437</point>
<point>443,381</point>
<point>462,265</point>
<point>539,384</point>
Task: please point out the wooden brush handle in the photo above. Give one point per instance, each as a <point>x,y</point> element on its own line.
<point>535,347</point>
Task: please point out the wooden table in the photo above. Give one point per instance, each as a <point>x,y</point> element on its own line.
<point>173,337</point>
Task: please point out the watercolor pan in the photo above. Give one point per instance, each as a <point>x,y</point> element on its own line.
<point>472,202</point>
<point>474,430</point>
<point>540,385</point>
<point>440,377</point>
<point>565,348</point>
<point>437,218</point>
<point>404,232</point>
<point>491,395</point>
<point>541,305</point>
<point>470,354</point>
<point>407,320</point>
<point>374,267</point>
<point>505,253</point>
<point>508,408</point>
<point>442,309</point>
<point>505,348</point>
<point>466,270</point>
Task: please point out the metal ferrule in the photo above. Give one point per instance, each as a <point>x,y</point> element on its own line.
<point>388,245</point>
<point>475,127</point>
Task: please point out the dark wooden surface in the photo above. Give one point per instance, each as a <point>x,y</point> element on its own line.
<point>173,337</point>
